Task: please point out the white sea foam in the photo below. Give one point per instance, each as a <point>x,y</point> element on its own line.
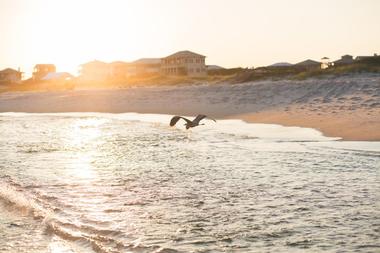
<point>131,183</point>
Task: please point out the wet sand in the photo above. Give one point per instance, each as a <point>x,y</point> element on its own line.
<point>347,106</point>
<point>359,125</point>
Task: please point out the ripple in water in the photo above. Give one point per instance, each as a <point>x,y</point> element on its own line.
<point>94,182</point>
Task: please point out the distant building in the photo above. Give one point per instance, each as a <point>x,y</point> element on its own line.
<point>41,70</point>
<point>325,63</point>
<point>308,64</point>
<point>57,77</point>
<point>145,66</point>
<point>184,63</point>
<point>95,71</point>
<point>359,58</point>
<point>344,60</point>
<point>9,75</point>
<point>214,67</point>
<point>120,70</point>
<point>280,64</point>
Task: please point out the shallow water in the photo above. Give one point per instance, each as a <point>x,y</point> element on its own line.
<point>90,182</point>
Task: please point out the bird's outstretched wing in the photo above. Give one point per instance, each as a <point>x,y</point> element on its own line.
<point>200,117</point>
<point>175,119</point>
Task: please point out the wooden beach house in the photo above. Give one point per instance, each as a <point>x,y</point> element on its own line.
<point>95,71</point>
<point>184,63</point>
<point>41,70</point>
<point>8,76</point>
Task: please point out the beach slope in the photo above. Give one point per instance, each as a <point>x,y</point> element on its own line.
<point>345,106</point>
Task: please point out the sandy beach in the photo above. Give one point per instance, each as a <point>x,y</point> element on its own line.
<point>359,125</point>
<point>346,106</point>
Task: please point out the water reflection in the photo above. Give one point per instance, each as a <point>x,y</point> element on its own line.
<point>83,136</point>
<point>115,184</point>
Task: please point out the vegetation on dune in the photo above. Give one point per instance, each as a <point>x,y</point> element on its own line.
<point>235,75</point>
<point>136,81</point>
<point>368,65</point>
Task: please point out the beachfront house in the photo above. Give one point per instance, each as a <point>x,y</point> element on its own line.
<point>280,65</point>
<point>95,71</point>
<point>344,60</point>
<point>120,70</point>
<point>184,63</point>
<point>146,66</point>
<point>308,65</point>
<point>359,58</point>
<point>214,67</point>
<point>8,76</point>
<point>41,70</point>
<point>326,63</point>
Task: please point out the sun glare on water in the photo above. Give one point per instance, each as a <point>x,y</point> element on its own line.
<point>83,137</point>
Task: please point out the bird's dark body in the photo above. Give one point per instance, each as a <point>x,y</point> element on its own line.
<point>189,123</point>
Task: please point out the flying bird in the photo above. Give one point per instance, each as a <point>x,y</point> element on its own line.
<point>189,123</point>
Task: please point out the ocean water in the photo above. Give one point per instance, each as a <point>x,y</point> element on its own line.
<point>91,182</point>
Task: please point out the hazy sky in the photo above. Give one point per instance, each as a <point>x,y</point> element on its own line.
<point>229,32</point>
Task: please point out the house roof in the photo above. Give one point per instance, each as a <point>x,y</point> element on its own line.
<point>281,64</point>
<point>307,62</point>
<point>94,62</point>
<point>56,76</point>
<point>344,60</point>
<point>363,57</point>
<point>148,61</point>
<point>9,70</point>
<point>118,63</point>
<point>44,65</point>
<point>214,67</point>
<point>184,53</point>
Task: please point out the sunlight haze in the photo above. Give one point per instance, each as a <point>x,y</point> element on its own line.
<point>230,33</point>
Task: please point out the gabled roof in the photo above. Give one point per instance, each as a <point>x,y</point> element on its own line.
<point>307,62</point>
<point>361,57</point>
<point>94,62</point>
<point>214,67</point>
<point>184,53</point>
<point>44,65</point>
<point>119,63</point>
<point>281,64</point>
<point>345,59</point>
<point>148,61</point>
<point>9,70</point>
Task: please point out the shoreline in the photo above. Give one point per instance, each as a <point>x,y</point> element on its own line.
<point>335,129</point>
<point>346,107</point>
<point>371,132</point>
<point>344,127</point>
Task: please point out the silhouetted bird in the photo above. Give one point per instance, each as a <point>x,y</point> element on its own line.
<point>189,123</point>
